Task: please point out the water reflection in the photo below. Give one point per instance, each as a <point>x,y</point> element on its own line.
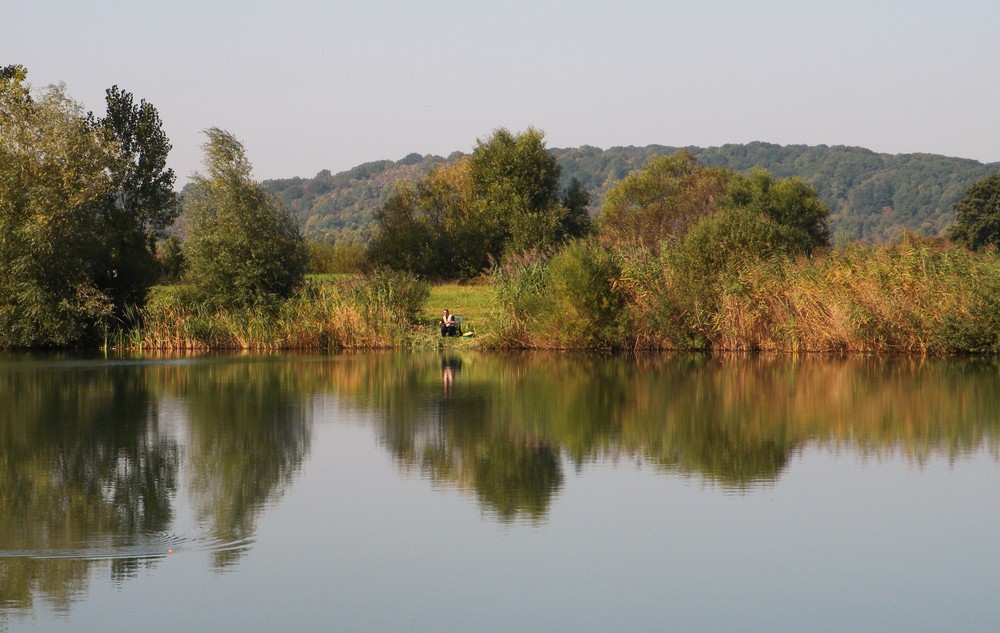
<point>248,432</point>
<point>89,476</point>
<point>501,426</point>
<point>92,475</point>
<point>85,473</point>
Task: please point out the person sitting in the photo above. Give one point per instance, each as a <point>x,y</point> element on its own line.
<point>448,325</point>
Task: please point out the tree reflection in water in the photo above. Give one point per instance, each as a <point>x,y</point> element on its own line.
<point>249,430</point>
<point>501,426</point>
<point>89,477</point>
<point>86,470</point>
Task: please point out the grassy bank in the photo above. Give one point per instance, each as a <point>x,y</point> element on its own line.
<point>473,302</point>
<point>916,297</point>
<point>332,312</point>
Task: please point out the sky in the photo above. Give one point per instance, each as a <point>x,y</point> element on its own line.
<point>309,85</point>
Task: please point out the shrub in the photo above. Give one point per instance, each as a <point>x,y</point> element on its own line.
<point>389,296</point>
<point>586,307</point>
<point>710,258</point>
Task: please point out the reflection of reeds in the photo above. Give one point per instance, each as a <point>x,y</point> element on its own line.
<point>736,420</point>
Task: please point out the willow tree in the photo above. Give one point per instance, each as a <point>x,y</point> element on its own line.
<point>82,201</point>
<point>243,248</point>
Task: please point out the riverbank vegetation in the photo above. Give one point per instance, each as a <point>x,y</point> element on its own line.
<point>680,256</point>
<point>352,312</point>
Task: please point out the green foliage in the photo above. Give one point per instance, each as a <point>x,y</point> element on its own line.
<point>141,202</point>
<point>171,260</point>
<point>515,184</point>
<point>360,311</point>
<point>81,202</point>
<point>661,201</point>
<point>571,300</point>
<point>324,257</point>
<point>433,228</point>
<point>402,237</point>
<point>977,222</point>
<point>872,197</point>
<point>390,296</point>
<point>709,260</point>
<point>585,307</point>
<point>519,289</point>
<point>53,186</point>
<point>243,248</point>
<point>501,201</point>
<point>791,203</point>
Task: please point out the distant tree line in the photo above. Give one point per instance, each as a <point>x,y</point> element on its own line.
<point>871,197</point>
<point>690,256</point>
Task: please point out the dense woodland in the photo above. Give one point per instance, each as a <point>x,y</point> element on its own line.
<point>871,197</point>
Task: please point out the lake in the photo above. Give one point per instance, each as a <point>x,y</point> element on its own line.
<point>455,491</point>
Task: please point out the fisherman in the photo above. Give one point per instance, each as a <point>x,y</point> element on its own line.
<point>448,325</point>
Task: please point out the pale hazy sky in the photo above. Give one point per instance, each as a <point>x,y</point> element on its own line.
<point>309,85</point>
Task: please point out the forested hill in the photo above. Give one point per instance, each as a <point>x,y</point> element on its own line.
<point>871,196</point>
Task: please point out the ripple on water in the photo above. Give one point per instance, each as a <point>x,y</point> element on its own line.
<point>137,548</point>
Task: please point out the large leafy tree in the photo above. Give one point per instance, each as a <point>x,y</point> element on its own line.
<point>141,200</point>
<point>53,186</point>
<point>977,215</point>
<point>82,200</point>
<point>791,202</point>
<point>661,201</point>
<point>244,248</point>
<point>515,181</point>
<point>402,236</point>
<point>503,199</point>
<point>432,227</point>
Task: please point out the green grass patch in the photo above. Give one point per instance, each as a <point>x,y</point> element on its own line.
<point>474,303</point>
<point>328,278</point>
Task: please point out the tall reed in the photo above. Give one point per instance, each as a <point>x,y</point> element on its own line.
<point>372,311</point>
<point>920,296</point>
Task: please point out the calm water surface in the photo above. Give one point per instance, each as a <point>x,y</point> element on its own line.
<point>463,492</point>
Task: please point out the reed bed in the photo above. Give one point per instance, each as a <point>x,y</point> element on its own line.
<point>919,296</point>
<point>914,297</point>
<point>373,311</point>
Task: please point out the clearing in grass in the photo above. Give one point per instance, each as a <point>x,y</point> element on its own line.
<point>474,303</point>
